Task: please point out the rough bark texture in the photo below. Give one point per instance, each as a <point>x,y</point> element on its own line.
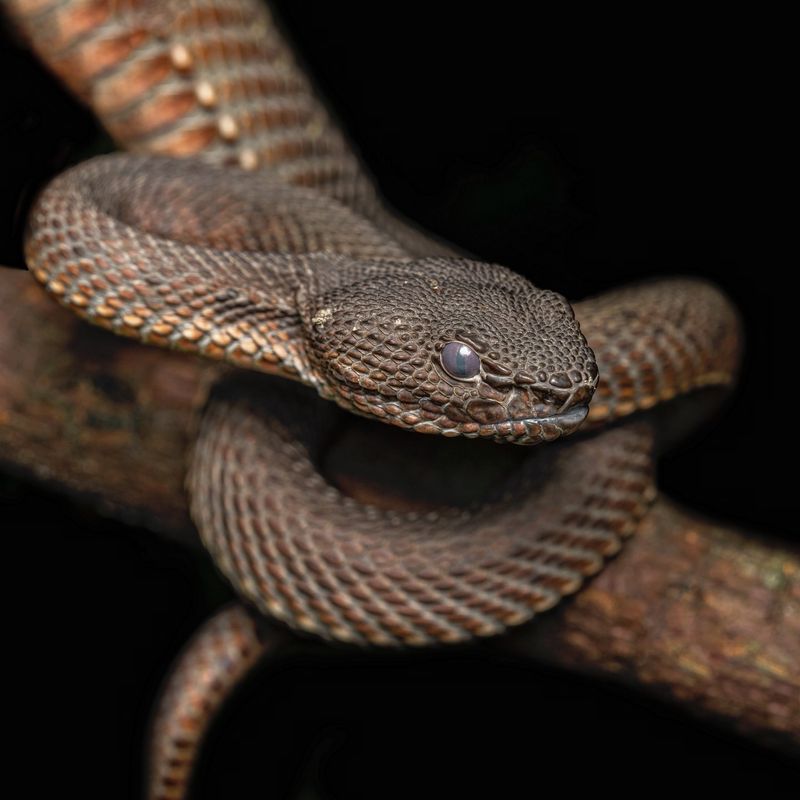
<point>704,616</point>
<point>695,613</point>
<point>92,413</point>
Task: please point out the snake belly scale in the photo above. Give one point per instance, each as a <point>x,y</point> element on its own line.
<point>245,229</point>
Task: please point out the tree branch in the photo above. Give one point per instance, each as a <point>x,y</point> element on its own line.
<point>94,414</point>
<point>694,613</point>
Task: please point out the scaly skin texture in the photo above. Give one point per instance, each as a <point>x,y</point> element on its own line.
<point>306,553</point>
<point>211,78</point>
<point>210,667</point>
<point>368,333</point>
<point>285,280</point>
<point>656,341</point>
<point>214,80</point>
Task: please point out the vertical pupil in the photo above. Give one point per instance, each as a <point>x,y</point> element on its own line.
<point>460,360</point>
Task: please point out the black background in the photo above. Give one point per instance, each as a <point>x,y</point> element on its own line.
<point>581,148</point>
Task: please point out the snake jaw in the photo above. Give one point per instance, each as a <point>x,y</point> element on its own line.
<point>547,426</point>
<point>531,415</point>
<point>535,430</point>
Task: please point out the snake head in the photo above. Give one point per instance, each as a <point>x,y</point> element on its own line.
<point>452,347</point>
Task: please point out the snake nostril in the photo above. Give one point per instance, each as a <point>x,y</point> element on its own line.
<point>486,411</point>
<point>580,396</point>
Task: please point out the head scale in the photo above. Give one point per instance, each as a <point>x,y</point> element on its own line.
<point>450,346</point>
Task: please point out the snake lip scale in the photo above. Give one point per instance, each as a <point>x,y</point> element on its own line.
<point>525,430</point>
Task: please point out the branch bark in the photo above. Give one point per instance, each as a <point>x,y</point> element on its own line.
<point>94,414</point>
<point>695,613</point>
<point>701,615</point>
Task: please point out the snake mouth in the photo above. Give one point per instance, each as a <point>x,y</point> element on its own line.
<point>529,430</point>
<point>525,430</point>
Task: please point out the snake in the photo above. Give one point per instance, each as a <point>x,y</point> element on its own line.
<point>241,226</point>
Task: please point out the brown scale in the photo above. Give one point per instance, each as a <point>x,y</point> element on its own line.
<point>509,561</point>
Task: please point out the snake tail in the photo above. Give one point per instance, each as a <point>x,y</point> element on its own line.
<point>220,655</point>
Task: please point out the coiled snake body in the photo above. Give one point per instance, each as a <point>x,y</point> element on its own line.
<point>323,286</point>
<point>269,249</point>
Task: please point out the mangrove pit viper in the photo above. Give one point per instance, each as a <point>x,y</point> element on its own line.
<point>242,227</point>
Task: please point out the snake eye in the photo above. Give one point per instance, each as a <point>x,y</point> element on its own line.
<point>460,361</point>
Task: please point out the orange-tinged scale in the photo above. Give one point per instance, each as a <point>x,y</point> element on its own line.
<point>132,321</point>
<point>648,401</point>
<point>188,346</point>
<point>191,334</point>
<point>598,412</point>
<point>146,119</point>
<point>183,142</point>
<point>76,19</point>
<point>162,329</point>
<point>213,351</point>
<point>33,7</point>
<point>93,58</point>
<point>626,390</point>
<point>115,92</point>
